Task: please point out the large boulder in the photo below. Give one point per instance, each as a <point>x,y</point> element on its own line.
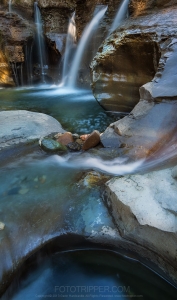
<point>144,208</point>
<point>24,126</point>
<point>143,49</point>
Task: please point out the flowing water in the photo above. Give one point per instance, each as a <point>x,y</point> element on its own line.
<point>40,40</point>
<point>44,196</point>
<point>87,34</point>
<point>121,15</point>
<point>10,6</point>
<point>70,43</point>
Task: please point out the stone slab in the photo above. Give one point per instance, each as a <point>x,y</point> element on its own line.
<point>23,126</point>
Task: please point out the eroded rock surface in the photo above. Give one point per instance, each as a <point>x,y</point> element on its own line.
<point>144,208</point>
<point>149,131</point>
<point>14,33</point>
<point>23,126</point>
<point>141,50</point>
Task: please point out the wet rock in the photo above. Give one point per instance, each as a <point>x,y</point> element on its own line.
<point>92,140</point>
<point>23,126</point>
<point>93,179</point>
<point>75,136</point>
<point>51,145</point>
<point>23,191</point>
<point>144,208</point>
<point>79,141</point>
<point>110,139</point>
<point>174,172</point>
<point>2,226</point>
<point>84,137</point>
<point>142,133</point>
<point>74,146</point>
<point>65,138</point>
<point>133,47</point>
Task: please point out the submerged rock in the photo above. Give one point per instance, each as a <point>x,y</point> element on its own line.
<point>93,179</point>
<point>92,140</point>
<point>2,226</point>
<point>51,145</point>
<point>74,146</point>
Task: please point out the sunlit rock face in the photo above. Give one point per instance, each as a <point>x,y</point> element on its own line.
<point>149,131</point>
<point>5,72</point>
<point>132,56</point>
<point>141,7</point>
<point>14,33</point>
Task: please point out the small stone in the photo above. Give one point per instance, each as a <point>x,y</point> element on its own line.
<point>79,141</point>
<point>52,146</point>
<point>75,136</point>
<point>23,191</point>
<point>84,137</point>
<point>56,136</point>
<point>74,146</point>
<point>2,225</point>
<point>92,140</point>
<point>65,138</point>
<point>36,179</point>
<point>42,179</point>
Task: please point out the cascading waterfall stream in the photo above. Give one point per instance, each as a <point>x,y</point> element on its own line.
<point>10,6</point>
<point>70,42</point>
<point>87,34</point>
<point>41,47</point>
<point>120,16</point>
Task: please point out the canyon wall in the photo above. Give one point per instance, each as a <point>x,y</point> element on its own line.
<point>55,17</point>
<point>135,54</point>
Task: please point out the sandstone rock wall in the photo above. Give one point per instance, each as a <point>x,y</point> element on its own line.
<point>14,32</point>
<point>55,16</point>
<point>138,52</point>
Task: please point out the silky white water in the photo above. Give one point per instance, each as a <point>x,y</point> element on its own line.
<point>10,6</point>
<point>70,42</point>
<point>39,32</point>
<point>87,34</point>
<point>120,16</point>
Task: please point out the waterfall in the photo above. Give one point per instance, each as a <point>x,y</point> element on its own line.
<point>70,42</point>
<point>40,40</point>
<point>121,15</point>
<point>10,6</point>
<point>87,34</point>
